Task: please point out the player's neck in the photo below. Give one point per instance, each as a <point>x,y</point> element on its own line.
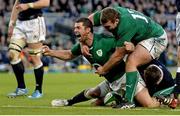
<point>89,41</point>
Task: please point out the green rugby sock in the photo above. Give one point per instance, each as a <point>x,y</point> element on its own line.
<point>131,83</point>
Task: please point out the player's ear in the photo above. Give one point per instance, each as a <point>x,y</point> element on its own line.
<point>116,21</point>
<point>88,30</point>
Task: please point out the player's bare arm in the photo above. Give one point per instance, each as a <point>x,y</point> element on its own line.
<point>60,54</point>
<point>115,58</point>
<point>13,19</point>
<point>34,5</point>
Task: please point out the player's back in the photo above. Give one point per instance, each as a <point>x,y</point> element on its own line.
<point>140,26</point>
<point>167,80</point>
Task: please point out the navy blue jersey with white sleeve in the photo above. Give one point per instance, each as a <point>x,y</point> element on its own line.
<point>166,82</point>
<point>29,13</point>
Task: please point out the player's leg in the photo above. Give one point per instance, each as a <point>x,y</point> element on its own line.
<point>143,97</point>
<point>16,45</point>
<point>36,34</point>
<point>156,77</point>
<point>139,57</point>
<point>145,100</point>
<point>99,91</point>
<point>140,86</point>
<point>35,52</point>
<point>177,79</point>
<point>144,52</point>
<point>177,88</point>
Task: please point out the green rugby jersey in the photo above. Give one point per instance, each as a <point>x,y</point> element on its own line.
<point>133,26</point>
<point>102,48</point>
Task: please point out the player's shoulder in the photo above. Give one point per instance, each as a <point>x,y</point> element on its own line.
<point>104,37</point>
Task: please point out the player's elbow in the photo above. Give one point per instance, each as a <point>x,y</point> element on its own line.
<point>46,3</point>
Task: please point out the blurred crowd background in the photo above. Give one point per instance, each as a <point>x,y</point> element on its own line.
<point>60,17</point>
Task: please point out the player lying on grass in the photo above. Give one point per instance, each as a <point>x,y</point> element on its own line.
<point>159,83</point>
<point>100,54</point>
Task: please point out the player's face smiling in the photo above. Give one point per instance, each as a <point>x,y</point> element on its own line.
<point>80,31</point>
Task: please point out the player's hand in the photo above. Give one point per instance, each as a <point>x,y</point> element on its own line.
<point>129,47</point>
<point>85,50</point>
<point>22,7</point>
<point>100,71</point>
<point>46,50</point>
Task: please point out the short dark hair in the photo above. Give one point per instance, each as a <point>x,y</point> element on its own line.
<point>152,74</point>
<point>109,14</point>
<point>86,22</point>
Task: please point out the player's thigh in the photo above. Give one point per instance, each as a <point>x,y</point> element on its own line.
<point>119,85</point>
<point>35,51</point>
<point>35,35</point>
<point>139,57</point>
<point>15,47</point>
<point>145,100</point>
<point>104,88</point>
<point>155,45</point>
<point>35,30</point>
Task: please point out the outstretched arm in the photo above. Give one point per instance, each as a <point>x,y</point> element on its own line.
<point>60,54</point>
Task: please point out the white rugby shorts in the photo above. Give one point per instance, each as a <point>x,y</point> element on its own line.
<point>155,45</point>
<point>119,86</point>
<point>32,31</point>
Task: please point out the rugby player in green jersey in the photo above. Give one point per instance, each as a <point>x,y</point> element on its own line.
<point>101,48</point>
<point>131,26</point>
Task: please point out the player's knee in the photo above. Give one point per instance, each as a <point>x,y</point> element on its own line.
<point>36,56</point>
<point>131,61</point>
<point>13,55</point>
<point>15,47</point>
<point>93,93</point>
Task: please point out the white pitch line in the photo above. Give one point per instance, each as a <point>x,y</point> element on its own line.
<point>70,107</point>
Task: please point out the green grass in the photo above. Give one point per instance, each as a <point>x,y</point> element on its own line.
<point>62,86</point>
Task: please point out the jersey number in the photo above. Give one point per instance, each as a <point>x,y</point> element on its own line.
<point>137,16</point>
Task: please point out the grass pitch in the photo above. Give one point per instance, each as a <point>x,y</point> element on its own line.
<point>62,86</point>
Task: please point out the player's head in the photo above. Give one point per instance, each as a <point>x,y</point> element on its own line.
<point>109,18</point>
<point>82,28</point>
<point>153,75</point>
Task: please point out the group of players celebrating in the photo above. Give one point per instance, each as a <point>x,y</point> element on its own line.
<point>127,59</point>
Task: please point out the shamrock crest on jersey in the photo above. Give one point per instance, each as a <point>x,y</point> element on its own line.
<point>99,52</point>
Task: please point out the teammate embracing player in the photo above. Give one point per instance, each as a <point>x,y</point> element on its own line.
<point>149,38</point>
<point>115,79</point>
